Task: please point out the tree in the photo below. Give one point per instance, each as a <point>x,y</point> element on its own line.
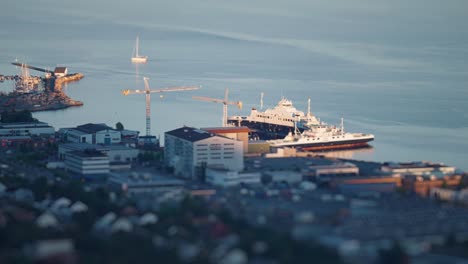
<point>14,116</point>
<point>119,126</point>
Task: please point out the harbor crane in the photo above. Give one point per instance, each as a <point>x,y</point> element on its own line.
<point>23,65</point>
<point>224,101</point>
<point>147,92</point>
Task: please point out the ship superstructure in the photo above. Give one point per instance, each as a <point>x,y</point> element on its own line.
<point>277,122</point>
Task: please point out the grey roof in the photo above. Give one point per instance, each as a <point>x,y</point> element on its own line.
<point>93,128</point>
<point>88,153</point>
<point>98,147</point>
<point>190,134</point>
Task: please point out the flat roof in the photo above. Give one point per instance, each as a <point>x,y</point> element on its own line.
<point>24,125</point>
<point>87,153</point>
<point>241,129</point>
<point>99,147</point>
<point>143,178</point>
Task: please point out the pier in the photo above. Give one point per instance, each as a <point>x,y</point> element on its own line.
<point>34,93</point>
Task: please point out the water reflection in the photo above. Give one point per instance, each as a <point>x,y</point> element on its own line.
<point>346,154</point>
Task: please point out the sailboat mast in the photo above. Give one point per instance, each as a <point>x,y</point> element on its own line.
<point>136,48</point>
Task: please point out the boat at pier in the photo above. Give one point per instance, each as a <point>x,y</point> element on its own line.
<point>323,137</point>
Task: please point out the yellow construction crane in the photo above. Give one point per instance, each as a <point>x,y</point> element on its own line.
<point>147,91</point>
<point>224,101</point>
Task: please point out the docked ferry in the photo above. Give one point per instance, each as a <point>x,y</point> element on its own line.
<point>275,123</point>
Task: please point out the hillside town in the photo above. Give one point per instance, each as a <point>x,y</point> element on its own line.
<point>101,193</point>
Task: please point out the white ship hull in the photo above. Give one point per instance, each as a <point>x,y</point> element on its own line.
<point>346,141</point>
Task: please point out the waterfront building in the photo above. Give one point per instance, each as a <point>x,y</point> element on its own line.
<point>60,71</point>
<point>26,129</point>
<point>189,150</point>
<point>87,162</point>
<point>92,134</point>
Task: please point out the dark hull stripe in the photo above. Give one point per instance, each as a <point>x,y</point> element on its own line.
<point>348,144</point>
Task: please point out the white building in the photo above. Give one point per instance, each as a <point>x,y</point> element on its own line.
<point>226,178</point>
<point>92,134</point>
<point>87,162</point>
<point>186,149</point>
<point>26,129</point>
<point>60,71</point>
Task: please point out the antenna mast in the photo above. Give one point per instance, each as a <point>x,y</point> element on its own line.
<point>342,126</point>
<point>261,100</point>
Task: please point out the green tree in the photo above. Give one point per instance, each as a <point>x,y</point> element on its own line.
<point>119,126</point>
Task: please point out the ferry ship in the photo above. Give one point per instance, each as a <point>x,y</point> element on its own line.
<point>275,123</point>
<point>323,137</point>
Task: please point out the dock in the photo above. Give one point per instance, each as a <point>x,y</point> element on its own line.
<point>34,93</point>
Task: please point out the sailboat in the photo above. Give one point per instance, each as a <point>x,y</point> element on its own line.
<point>136,58</point>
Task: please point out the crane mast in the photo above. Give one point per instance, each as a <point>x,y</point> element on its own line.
<point>148,91</point>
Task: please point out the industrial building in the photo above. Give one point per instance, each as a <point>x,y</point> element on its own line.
<point>189,150</point>
<point>116,153</point>
<point>92,134</point>
<point>87,162</point>
<point>26,129</point>
<point>227,178</point>
<point>143,182</point>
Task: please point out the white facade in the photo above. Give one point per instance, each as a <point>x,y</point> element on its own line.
<point>226,178</point>
<point>76,136</point>
<point>87,163</point>
<point>186,153</point>
<point>107,136</point>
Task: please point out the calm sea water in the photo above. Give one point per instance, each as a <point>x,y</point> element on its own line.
<point>394,69</point>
